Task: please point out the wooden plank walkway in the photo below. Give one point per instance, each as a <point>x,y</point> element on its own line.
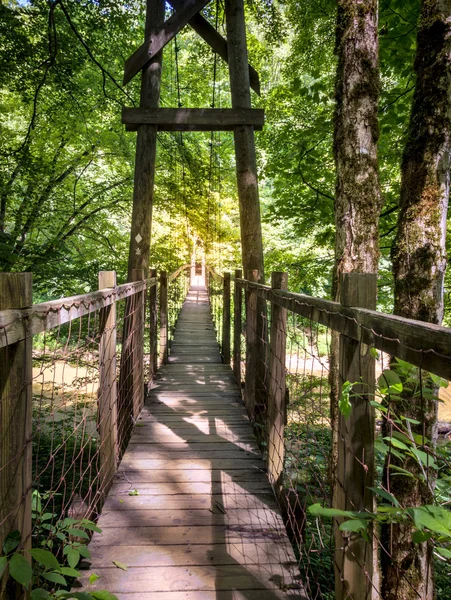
<point>191,513</point>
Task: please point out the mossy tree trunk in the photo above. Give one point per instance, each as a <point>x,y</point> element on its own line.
<point>358,199</point>
<point>419,262</point>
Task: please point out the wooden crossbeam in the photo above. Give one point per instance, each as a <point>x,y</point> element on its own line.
<point>193,119</point>
<point>215,40</point>
<point>161,36</point>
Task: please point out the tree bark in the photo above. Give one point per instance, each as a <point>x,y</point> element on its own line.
<point>419,263</point>
<point>358,199</point>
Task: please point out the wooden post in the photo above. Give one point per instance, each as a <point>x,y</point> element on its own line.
<point>146,150</point>
<point>163,317</point>
<point>251,346</point>
<point>246,164</point>
<point>355,471</point>
<point>237,306</point>
<point>277,383</point>
<point>153,323</point>
<point>226,320</point>
<point>16,424</point>
<point>107,386</point>
<point>138,346</point>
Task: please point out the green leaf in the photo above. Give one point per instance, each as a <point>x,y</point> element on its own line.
<point>3,563</point>
<point>40,594</point>
<point>20,569</point>
<point>54,578</point>
<point>93,578</point>
<point>374,353</point>
<point>73,557</point>
<point>443,552</point>
<point>120,565</point>
<point>90,526</point>
<point>103,595</point>
<point>389,382</point>
<point>397,443</point>
<point>11,542</point>
<point>68,522</point>
<point>133,493</point>
<point>84,551</point>
<point>322,511</point>
<point>344,404</point>
<point>354,525</point>
<point>424,458</point>
<point>418,537</point>
<point>45,558</point>
<point>69,571</point>
<point>386,495</point>
<point>400,471</point>
<point>78,533</point>
<point>434,518</point>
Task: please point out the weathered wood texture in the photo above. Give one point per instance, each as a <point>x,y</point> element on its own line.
<point>163,317</point>
<point>226,320</point>
<point>16,324</point>
<point>160,36</point>
<point>146,151</point>
<point>246,163</point>
<point>16,424</point>
<point>353,558</point>
<point>153,324</point>
<point>194,119</point>
<point>216,42</point>
<point>237,316</point>
<point>276,397</point>
<point>191,513</point>
<point>425,345</point>
<point>107,421</point>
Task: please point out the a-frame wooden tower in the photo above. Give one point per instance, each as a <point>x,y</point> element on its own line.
<point>149,118</point>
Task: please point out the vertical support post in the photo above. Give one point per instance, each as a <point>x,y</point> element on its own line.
<point>107,385</point>
<point>355,471</point>
<point>138,347</point>
<point>251,345</point>
<point>153,323</point>
<point>163,317</point>
<point>226,320</point>
<point>146,151</point>
<point>16,424</point>
<point>246,163</point>
<point>277,383</point>
<point>237,307</point>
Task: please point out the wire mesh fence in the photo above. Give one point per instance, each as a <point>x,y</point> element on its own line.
<point>344,405</point>
<point>73,380</point>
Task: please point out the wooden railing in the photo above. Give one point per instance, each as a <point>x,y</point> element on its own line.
<point>268,339</point>
<point>107,340</point>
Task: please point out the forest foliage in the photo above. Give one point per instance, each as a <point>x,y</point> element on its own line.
<point>66,171</point>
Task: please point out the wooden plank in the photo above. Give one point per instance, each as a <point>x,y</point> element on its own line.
<point>190,487</point>
<point>206,578</point>
<point>15,325</point>
<point>107,420</point>
<point>195,119</point>
<point>125,502</point>
<point>203,554</point>
<point>16,290</point>
<point>277,384</point>
<point>216,595</point>
<point>355,443</point>
<point>425,345</point>
<point>216,42</point>
<point>160,36</point>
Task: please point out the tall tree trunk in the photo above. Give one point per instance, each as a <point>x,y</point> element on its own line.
<point>358,200</point>
<point>419,262</point>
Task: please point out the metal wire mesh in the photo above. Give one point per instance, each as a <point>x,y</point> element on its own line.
<point>351,456</point>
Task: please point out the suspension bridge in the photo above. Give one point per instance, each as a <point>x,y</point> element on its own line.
<point>183,424</point>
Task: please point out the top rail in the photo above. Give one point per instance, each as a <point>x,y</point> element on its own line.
<point>424,345</point>
<point>215,274</point>
<point>175,274</point>
<point>16,325</point>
